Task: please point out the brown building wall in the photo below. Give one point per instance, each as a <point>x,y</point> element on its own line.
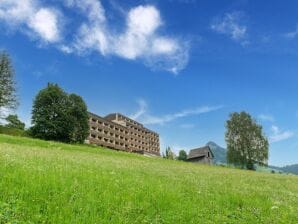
<point>119,132</point>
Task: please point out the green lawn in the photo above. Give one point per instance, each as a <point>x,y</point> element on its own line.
<point>46,182</point>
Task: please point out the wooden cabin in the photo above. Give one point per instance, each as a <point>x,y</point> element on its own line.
<point>201,155</point>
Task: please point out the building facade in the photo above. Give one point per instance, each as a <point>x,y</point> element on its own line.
<point>119,132</point>
<point>201,155</point>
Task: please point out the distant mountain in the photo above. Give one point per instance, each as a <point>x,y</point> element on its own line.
<point>220,153</point>
<point>220,157</point>
<point>290,169</point>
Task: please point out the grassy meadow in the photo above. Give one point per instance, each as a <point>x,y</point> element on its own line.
<point>47,182</point>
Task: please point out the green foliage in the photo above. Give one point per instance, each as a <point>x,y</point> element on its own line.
<point>14,122</point>
<point>7,83</point>
<point>182,155</point>
<point>169,154</point>
<point>59,116</point>
<point>49,182</point>
<point>246,143</point>
<point>13,131</point>
<point>78,113</point>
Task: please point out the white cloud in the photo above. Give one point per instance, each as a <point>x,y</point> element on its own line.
<point>144,117</point>
<point>278,135</point>
<point>44,22</point>
<point>293,34</point>
<point>31,18</point>
<point>231,25</point>
<point>142,109</point>
<point>140,39</point>
<point>266,117</point>
<point>4,112</point>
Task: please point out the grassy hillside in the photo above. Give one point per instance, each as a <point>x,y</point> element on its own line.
<point>45,182</point>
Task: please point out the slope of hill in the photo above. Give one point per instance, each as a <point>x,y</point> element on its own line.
<point>290,169</point>
<point>220,153</point>
<point>47,182</point>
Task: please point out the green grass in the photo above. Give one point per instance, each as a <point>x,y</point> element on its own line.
<point>46,182</point>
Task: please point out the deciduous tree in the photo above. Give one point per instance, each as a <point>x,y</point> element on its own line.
<point>59,116</point>
<point>182,155</point>
<point>8,99</point>
<point>14,122</point>
<point>169,154</point>
<point>246,143</point>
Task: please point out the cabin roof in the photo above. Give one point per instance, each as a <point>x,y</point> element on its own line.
<point>199,152</point>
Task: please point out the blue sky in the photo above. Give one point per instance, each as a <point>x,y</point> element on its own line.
<point>178,66</point>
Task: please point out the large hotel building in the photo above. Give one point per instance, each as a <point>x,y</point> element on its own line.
<point>116,131</point>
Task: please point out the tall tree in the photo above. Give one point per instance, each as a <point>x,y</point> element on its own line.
<point>79,115</point>
<point>59,116</point>
<point>8,97</point>
<point>50,118</point>
<point>182,155</point>
<point>14,122</point>
<point>246,142</point>
<point>169,154</point>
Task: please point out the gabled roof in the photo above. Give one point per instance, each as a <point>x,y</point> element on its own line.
<point>199,152</point>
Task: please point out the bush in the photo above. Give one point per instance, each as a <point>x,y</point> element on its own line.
<point>13,131</point>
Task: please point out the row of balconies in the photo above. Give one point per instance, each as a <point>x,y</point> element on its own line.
<point>121,130</point>
<point>104,132</point>
<point>116,137</point>
<point>113,127</point>
<point>106,142</point>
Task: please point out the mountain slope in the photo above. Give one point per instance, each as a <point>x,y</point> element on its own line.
<point>220,153</point>
<point>48,182</point>
<point>290,169</point>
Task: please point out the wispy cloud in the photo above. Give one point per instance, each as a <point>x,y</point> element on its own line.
<point>231,24</point>
<point>292,34</point>
<point>140,39</point>
<point>146,118</point>
<point>266,117</point>
<point>142,109</point>
<point>278,135</point>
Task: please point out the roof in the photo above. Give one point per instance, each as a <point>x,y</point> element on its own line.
<point>199,152</point>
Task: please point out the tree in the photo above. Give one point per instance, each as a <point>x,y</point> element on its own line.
<point>59,116</point>
<point>182,155</point>
<point>246,142</point>
<point>8,97</point>
<point>79,114</point>
<point>14,122</point>
<point>169,154</point>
